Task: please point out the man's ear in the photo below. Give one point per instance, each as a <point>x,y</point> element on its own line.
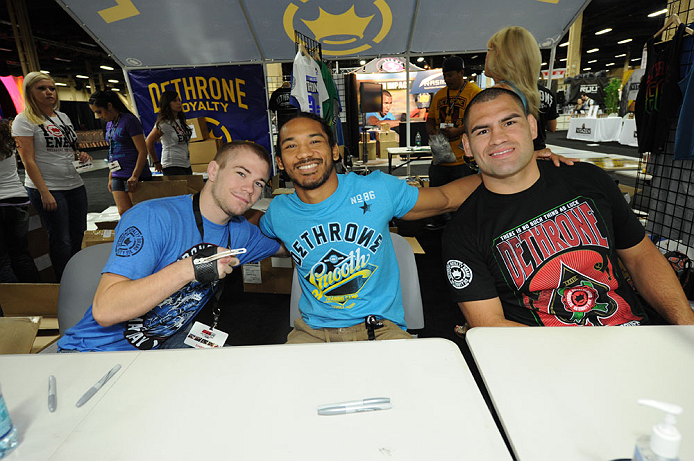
<point>336,153</point>
<point>466,145</point>
<point>212,170</point>
<point>532,121</point>
<point>280,165</point>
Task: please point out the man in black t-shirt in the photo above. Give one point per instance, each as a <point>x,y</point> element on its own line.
<point>539,245</point>
<point>548,117</point>
<point>279,103</point>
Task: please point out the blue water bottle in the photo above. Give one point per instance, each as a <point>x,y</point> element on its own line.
<point>8,433</point>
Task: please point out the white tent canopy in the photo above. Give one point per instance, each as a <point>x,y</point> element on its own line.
<point>176,33</point>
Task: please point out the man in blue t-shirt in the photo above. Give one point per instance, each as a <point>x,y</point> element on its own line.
<point>335,228</point>
<point>375,118</point>
<point>156,279</point>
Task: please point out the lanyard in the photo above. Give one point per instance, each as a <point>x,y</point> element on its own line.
<point>66,133</point>
<point>216,310</point>
<point>452,103</point>
<point>110,135</point>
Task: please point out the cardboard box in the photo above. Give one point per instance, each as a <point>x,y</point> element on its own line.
<point>194,182</point>
<point>387,136</point>
<point>199,167</point>
<point>199,127</point>
<point>148,190</point>
<point>108,219</point>
<point>95,237</point>
<point>383,147</point>
<point>271,275</point>
<point>204,151</point>
<point>370,148</point>
<point>31,317</point>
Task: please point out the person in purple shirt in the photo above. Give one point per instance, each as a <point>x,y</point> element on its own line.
<point>127,152</point>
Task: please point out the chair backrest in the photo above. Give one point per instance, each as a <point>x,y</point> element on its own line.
<point>78,284</point>
<point>409,284</point>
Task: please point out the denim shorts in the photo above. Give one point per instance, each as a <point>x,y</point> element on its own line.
<point>119,184</point>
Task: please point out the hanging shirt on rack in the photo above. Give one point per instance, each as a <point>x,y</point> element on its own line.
<point>280,103</point>
<point>332,107</point>
<point>308,89</point>
<point>684,137</point>
<point>659,96</point>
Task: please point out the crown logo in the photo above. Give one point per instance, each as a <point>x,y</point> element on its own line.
<point>345,24</point>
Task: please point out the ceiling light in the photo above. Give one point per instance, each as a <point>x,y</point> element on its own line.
<point>604,31</point>
<point>609,64</point>
<point>593,50</point>
<point>88,86</point>
<point>473,75</point>
<point>87,44</point>
<point>621,55</point>
<point>45,72</point>
<point>62,59</point>
<point>636,59</point>
<point>362,62</point>
<point>474,57</point>
<point>591,62</point>
<point>544,63</point>
<point>464,77</point>
<point>622,42</point>
<point>420,59</point>
<point>586,68</point>
<point>112,80</point>
<point>5,49</point>
<point>115,89</point>
<point>562,60</point>
<point>106,67</point>
<point>564,44</point>
<point>657,13</point>
<point>81,76</point>
<point>60,84</point>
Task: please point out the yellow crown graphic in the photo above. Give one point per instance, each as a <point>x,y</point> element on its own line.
<point>345,24</point>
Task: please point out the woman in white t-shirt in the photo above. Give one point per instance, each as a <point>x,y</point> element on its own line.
<point>47,144</point>
<point>16,264</point>
<point>173,132</point>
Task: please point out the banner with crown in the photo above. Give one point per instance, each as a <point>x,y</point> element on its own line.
<point>144,34</point>
<point>231,98</point>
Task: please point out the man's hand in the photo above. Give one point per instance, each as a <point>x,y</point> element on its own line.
<point>547,154</point>
<point>452,132</point>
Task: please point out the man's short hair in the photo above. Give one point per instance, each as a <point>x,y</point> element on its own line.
<point>487,95</point>
<point>326,129</point>
<point>387,93</point>
<point>229,148</point>
<point>453,63</point>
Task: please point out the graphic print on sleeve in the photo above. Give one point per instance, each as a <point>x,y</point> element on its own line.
<point>148,331</point>
<point>560,264</point>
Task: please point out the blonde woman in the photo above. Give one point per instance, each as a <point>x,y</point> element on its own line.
<point>47,144</point>
<point>514,61</point>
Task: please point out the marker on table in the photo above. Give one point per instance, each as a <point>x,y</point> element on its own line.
<point>52,394</point>
<point>355,406</point>
<point>90,393</point>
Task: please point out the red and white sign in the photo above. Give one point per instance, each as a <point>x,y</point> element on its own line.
<point>556,73</point>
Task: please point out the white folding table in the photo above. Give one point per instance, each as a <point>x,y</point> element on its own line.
<point>570,393</point>
<point>254,403</point>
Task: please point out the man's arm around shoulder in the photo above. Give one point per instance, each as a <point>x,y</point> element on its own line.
<point>433,201</point>
<point>656,282</point>
<point>486,313</point>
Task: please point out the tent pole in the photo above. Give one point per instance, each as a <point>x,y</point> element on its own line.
<point>269,119</point>
<point>552,55</point>
<point>131,95</point>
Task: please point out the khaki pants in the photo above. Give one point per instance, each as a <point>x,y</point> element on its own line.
<point>303,333</point>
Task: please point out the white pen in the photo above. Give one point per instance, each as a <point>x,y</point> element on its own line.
<point>340,410</point>
<point>90,393</point>
<point>220,255</point>
<point>52,394</point>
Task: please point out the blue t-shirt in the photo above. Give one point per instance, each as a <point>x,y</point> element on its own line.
<point>388,116</point>
<point>149,237</point>
<point>120,135</point>
<point>342,249</point>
